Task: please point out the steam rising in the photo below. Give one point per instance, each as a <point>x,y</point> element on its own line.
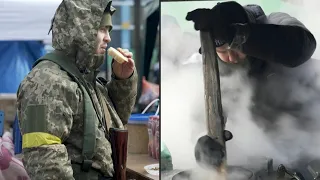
<point>286,138</point>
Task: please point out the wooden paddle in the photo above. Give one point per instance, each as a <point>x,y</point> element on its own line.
<point>214,113</point>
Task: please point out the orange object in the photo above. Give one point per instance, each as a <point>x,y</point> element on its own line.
<point>146,85</point>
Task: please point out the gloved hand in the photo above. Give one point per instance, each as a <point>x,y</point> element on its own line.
<point>220,20</point>
<point>210,20</point>
<point>209,152</point>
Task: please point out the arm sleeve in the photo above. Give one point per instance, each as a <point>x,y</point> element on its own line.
<point>46,106</point>
<point>283,40</point>
<point>123,94</point>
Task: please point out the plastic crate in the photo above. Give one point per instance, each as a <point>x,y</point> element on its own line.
<point>139,118</point>
<point>17,138</point>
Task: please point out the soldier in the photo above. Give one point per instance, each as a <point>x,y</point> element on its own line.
<point>271,53</point>
<point>54,107</point>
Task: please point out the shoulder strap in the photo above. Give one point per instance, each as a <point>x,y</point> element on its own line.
<point>65,62</point>
<point>89,139</point>
<point>105,111</point>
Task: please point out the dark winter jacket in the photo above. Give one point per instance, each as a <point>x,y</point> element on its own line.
<point>278,38</point>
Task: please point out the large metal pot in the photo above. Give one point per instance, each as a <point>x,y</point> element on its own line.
<point>234,173</point>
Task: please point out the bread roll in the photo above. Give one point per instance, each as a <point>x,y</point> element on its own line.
<point>116,55</point>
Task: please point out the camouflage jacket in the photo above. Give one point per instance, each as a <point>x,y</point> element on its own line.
<point>50,103</point>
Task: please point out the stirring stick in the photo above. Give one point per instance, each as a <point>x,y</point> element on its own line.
<point>214,115</point>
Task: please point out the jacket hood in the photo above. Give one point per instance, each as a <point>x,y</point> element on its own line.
<point>255,14</point>
<point>74,30</point>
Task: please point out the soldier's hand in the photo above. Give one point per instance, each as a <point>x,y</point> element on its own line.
<point>124,70</point>
<point>209,152</point>
<point>201,18</point>
<point>220,20</point>
<point>211,20</point>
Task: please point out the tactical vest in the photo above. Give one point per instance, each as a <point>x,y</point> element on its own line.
<point>90,115</point>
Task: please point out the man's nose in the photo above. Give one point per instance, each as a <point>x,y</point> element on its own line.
<point>233,56</point>
<point>106,38</point>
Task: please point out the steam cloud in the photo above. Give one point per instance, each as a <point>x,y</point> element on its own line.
<point>182,112</point>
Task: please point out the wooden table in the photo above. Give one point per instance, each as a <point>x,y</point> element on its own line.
<point>136,163</point>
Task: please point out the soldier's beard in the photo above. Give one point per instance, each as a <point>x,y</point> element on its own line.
<point>90,62</point>
<point>97,61</point>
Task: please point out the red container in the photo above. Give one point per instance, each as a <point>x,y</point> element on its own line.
<point>154,136</point>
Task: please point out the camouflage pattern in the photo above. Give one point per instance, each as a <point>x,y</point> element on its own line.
<point>75,27</point>
<point>50,89</point>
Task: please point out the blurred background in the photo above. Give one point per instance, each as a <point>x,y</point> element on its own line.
<point>24,26</point>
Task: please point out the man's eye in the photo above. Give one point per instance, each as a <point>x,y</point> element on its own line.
<point>103,29</point>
